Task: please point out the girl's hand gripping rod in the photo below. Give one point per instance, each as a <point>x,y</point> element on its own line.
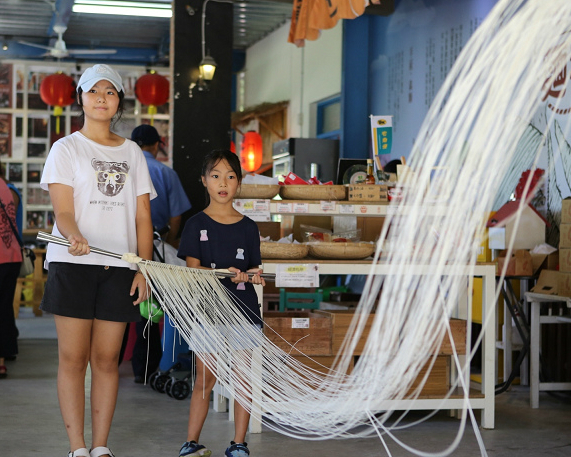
<point>133,258</point>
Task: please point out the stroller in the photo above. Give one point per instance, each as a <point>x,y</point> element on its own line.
<point>174,381</point>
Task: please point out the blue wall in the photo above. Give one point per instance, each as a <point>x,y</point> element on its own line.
<point>395,65</point>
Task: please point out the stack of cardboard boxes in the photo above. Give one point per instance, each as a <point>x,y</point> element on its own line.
<point>554,282</point>
<point>564,281</point>
<point>317,338</point>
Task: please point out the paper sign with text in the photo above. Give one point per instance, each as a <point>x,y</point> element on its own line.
<point>257,210</point>
<point>297,275</point>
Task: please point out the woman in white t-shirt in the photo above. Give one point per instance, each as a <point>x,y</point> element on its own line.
<point>100,189</point>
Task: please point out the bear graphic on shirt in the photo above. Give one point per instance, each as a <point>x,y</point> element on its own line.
<point>111,176</point>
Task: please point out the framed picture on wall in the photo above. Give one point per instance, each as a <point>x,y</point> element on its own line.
<point>37,149</point>
<point>34,172</point>
<point>15,172</point>
<point>6,85</point>
<point>36,219</point>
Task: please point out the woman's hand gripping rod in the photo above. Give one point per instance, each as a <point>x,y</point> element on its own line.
<point>133,258</point>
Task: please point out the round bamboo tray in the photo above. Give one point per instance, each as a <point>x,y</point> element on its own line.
<point>258,191</point>
<point>313,192</point>
<point>274,250</point>
<point>341,251</point>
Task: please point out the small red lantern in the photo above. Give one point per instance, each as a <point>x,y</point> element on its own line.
<point>58,90</point>
<point>252,152</point>
<point>152,89</point>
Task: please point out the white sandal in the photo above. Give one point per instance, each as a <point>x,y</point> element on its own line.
<point>99,451</point>
<point>81,452</point>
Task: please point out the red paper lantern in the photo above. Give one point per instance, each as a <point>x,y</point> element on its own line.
<point>251,154</point>
<point>152,89</point>
<point>58,90</point>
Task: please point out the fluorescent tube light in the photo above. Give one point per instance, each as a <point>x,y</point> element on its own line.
<point>123,8</point>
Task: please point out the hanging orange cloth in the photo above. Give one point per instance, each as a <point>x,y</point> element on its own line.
<point>299,30</point>
<point>309,17</point>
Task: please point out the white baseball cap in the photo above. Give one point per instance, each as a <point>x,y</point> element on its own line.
<point>94,74</point>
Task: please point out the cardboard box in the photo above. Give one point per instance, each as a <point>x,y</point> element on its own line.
<point>520,264</point>
<point>340,322</point>
<point>548,283</point>
<point>564,260</point>
<point>564,285</point>
<point>566,211</point>
<point>271,229</point>
<point>309,333</point>
<point>436,385</point>
<point>322,363</point>
<point>458,328</point>
<point>438,380</point>
<point>368,193</point>
<point>545,262</point>
<point>565,236</point>
<point>370,227</point>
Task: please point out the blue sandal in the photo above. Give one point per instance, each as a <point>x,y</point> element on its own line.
<point>237,450</point>
<point>193,449</point>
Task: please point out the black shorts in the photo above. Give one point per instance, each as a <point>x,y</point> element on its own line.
<point>90,292</point>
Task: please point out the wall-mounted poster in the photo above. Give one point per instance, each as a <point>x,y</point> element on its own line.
<point>15,172</point>
<point>6,85</point>
<point>5,135</point>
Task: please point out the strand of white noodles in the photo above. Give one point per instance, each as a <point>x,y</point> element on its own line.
<point>471,131</point>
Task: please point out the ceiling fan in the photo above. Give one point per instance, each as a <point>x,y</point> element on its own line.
<point>59,49</point>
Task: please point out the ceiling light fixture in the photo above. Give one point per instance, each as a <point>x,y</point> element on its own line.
<point>208,64</point>
<point>5,46</point>
<point>207,68</point>
<point>123,8</point>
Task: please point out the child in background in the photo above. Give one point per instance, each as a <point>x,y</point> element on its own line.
<point>221,237</point>
<point>100,188</point>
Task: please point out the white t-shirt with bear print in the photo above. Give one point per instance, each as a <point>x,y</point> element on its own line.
<point>106,181</point>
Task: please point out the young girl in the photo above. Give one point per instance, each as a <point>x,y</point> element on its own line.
<point>221,237</point>
<point>100,188</point>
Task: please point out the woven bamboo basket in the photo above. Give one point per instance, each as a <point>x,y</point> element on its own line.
<point>261,191</point>
<point>313,192</point>
<point>341,251</point>
<point>273,250</point>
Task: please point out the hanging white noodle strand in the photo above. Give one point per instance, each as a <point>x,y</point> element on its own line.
<point>472,131</point>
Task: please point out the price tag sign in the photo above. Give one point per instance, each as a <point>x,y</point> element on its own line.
<point>346,209</point>
<point>300,322</point>
<point>257,210</point>
<point>284,208</point>
<point>301,207</point>
<point>297,275</point>
<point>328,205</point>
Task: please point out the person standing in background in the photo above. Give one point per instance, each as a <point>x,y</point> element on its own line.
<point>171,202</point>
<point>166,213</point>
<point>10,260</point>
<point>17,201</point>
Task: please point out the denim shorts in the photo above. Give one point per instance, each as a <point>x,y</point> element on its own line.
<point>90,292</point>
